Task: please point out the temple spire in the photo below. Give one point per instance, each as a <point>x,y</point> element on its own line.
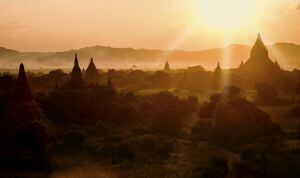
<point>22,71</point>
<point>259,49</point>
<point>22,89</point>
<point>259,37</point>
<point>259,62</point>
<point>22,107</point>
<point>76,72</point>
<point>217,77</point>
<point>242,64</point>
<point>76,59</point>
<point>167,67</point>
<point>92,74</point>
<point>218,68</point>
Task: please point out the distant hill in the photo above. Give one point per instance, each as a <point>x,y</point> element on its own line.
<point>287,55</point>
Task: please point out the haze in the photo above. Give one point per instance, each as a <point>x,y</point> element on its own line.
<point>55,25</point>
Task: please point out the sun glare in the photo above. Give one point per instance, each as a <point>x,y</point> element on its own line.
<point>228,15</point>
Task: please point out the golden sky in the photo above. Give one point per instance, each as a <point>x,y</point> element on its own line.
<point>57,25</point>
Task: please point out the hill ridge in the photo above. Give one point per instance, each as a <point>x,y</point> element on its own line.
<point>287,54</point>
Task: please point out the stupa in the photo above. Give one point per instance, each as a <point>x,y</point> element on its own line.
<point>92,74</point>
<point>259,61</point>
<point>76,78</point>
<point>22,107</point>
<point>167,67</point>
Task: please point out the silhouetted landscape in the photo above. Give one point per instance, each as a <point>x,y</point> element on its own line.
<point>150,89</point>
<point>186,122</point>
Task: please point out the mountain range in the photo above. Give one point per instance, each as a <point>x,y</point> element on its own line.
<point>287,55</point>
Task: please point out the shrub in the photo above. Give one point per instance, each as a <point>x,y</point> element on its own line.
<point>202,129</point>
<point>164,151</point>
<point>207,109</point>
<point>73,139</point>
<point>124,151</point>
<point>147,143</point>
<point>266,94</point>
<point>232,91</point>
<point>216,168</point>
<point>240,121</point>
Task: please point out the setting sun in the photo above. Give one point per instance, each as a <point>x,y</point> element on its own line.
<point>226,15</point>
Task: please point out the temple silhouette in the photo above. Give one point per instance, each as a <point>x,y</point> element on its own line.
<point>22,107</point>
<point>217,77</point>
<point>76,78</point>
<point>218,69</point>
<point>91,74</point>
<point>25,135</point>
<point>259,62</point>
<point>167,67</point>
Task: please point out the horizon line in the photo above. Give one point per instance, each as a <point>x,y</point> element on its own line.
<point>135,48</point>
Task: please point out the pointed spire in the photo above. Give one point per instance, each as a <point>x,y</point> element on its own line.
<point>167,67</point>
<point>22,89</point>
<point>22,107</point>
<point>22,74</point>
<point>76,60</point>
<point>92,74</point>
<point>217,77</point>
<point>242,64</point>
<point>259,41</point>
<point>259,61</point>
<point>21,69</point>
<point>259,37</point>
<point>92,65</point>
<point>76,72</point>
<point>218,68</point>
<point>259,49</point>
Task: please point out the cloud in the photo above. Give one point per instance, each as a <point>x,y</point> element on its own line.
<point>298,7</point>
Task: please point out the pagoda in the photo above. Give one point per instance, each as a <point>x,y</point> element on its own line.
<point>76,78</point>
<point>217,77</point>
<point>241,65</point>
<point>259,61</point>
<point>92,73</point>
<point>167,67</point>
<point>218,69</point>
<point>22,107</point>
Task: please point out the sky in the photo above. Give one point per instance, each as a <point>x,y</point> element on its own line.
<point>58,25</point>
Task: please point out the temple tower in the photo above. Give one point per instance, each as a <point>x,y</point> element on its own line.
<point>167,67</point>
<point>217,77</point>
<point>76,78</point>
<point>218,69</point>
<point>241,65</point>
<point>259,62</point>
<point>22,107</point>
<point>92,74</point>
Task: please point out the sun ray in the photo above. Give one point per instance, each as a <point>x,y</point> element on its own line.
<point>185,34</point>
